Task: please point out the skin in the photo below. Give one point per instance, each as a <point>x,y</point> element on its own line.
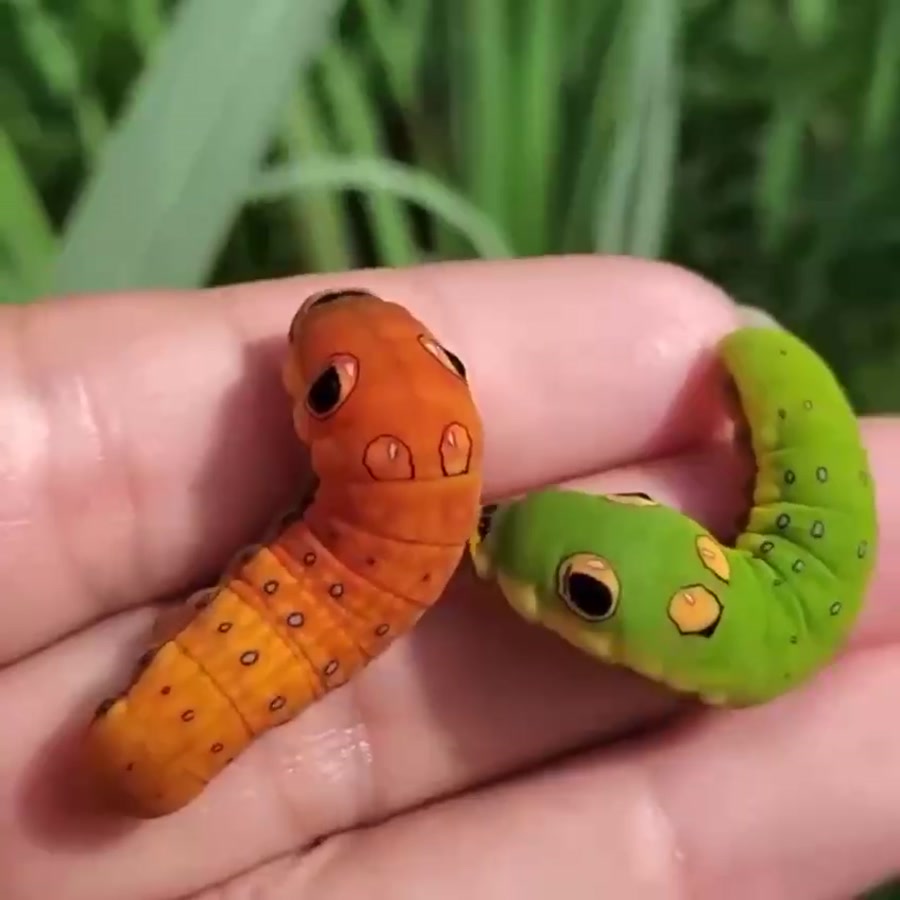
<point>299,615</point>
<point>636,582</point>
<point>475,739</point>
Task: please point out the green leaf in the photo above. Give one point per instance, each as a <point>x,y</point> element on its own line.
<point>174,173</point>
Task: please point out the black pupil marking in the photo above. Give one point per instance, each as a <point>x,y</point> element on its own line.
<point>337,294</point>
<point>592,598</point>
<point>485,520</point>
<point>325,392</point>
<point>456,362</point>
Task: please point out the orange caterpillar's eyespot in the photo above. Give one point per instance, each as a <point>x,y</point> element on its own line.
<point>447,359</point>
<point>331,388</point>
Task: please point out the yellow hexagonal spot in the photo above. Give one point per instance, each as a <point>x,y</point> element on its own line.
<point>712,555</point>
<point>695,610</point>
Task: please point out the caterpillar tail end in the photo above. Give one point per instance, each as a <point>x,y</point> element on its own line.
<point>126,777</point>
<point>481,560</point>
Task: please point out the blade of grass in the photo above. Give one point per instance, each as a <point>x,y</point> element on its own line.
<point>173,175</point>
<point>780,168</point>
<point>489,119</point>
<point>659,148</point>
<point>386,176</point>
<point>359,133</point>
<point>398,37</point>
<point>634,193</point>
<point>813,19</point>
<point>27,241</point>
<point>599,130</point>
<point>882,98</point>
<point>318,215</point>
<point>537,103</point>
<point>58,61</point>
<point>147,21</point>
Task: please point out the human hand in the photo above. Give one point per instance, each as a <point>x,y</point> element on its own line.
<point>125,418</point>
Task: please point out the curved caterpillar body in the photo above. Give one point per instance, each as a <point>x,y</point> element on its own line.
<point>641,585</point>
<point>396,442</point>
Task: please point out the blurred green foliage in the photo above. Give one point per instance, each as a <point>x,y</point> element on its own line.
<point>154,142</point>
<point>182,142</point>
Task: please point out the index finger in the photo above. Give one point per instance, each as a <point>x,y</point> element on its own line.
<point>149,435</point>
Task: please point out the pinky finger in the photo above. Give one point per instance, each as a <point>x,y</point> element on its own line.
<point>797,800</point>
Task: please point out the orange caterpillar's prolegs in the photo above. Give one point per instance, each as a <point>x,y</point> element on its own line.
<point>291,625</point>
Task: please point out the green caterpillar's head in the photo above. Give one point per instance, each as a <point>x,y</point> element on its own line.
<point>620,580</point>
<point>560,558</point>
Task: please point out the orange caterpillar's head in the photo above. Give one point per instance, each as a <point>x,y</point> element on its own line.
<point>375,394</point>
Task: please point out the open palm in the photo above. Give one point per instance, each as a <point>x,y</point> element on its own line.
<point>145,438</point>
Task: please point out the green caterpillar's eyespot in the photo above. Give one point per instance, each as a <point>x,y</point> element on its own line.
<point>695,610</point>
<point>588,586</point>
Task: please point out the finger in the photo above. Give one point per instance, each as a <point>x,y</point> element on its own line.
<point>474,694</point>
<point>800,798</point>
<point>148,435</point>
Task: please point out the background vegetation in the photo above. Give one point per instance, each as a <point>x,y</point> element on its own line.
<point>154,143</point>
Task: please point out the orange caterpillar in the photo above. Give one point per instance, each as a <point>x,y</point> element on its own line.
<point>396,443</point>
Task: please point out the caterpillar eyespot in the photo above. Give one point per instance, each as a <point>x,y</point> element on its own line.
<point>589,586</point>
<point>334,581</point>
<point>654,590</point>
<point>331,388</point>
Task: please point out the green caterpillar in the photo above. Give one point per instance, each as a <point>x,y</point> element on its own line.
<point>639,584</point>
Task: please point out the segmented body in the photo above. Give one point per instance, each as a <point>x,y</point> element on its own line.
<point>642,585</point>
<point>396,443</point>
